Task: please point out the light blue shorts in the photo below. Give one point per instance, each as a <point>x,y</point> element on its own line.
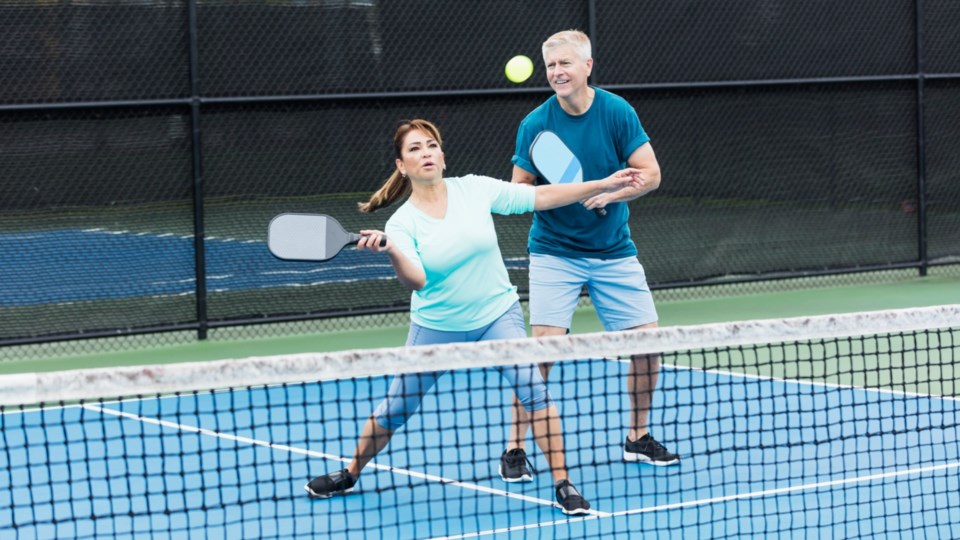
<point>407,390</point>
<point>617,287</point>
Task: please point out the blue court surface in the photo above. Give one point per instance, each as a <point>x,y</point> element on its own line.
<point>761,457</point>
<point>71,265</point>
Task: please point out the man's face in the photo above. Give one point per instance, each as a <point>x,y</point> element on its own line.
<point>567,73</point>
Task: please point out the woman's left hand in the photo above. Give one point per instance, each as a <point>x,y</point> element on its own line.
<point>628,178</point>
<point>625,178</point>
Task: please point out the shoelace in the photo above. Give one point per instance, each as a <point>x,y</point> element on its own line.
<point>569,497</point>
<point>343,479</point>
<point>514,457</point>
<point>654,445</point>
<point>567,490</point>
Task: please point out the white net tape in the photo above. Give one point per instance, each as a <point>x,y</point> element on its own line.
<point>89,384</point>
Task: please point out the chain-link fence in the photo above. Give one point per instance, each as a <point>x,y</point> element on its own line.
<point>145,144</point>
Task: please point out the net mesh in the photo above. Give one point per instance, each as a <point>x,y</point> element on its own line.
<point>830,426</point>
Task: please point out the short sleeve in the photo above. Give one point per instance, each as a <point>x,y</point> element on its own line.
<point>400,232</point>
<point>528,130</point>
<point>514,199</point>
<point>505,198</point>
<point>631,134</point>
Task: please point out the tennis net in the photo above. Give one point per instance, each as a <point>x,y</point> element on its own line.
<point>830,426</point>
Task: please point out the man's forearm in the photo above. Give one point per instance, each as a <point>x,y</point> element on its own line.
<point>629,193</point>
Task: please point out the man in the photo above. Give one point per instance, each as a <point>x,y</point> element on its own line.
<point>574,246</point>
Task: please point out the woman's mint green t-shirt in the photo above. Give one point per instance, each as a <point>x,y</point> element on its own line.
<point>467,284</point>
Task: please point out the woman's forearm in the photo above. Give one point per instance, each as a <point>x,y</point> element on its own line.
<point>410,275</point>
<point>550,196</point>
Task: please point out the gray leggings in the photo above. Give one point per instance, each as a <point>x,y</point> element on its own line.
<point>407,390</point>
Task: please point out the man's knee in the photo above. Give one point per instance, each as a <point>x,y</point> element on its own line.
<point>544,331</point>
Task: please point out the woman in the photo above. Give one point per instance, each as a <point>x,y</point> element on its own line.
<point>443,246</point>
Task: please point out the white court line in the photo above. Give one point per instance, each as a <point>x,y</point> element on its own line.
<point>311,453</point>
<point>168,235</point>
<point>702,502</point>
<point>803,382</point>
<point>325,269</point>
<point>516,528</point>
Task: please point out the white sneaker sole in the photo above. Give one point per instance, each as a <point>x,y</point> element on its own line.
<point>574,512</point>
<point>630,457</point>
<point>524,478</point>
<point>313,495</point>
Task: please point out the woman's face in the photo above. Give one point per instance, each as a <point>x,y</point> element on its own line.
<point>421,157</point>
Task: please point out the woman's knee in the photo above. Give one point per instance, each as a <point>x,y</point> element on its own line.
<point>392,420</point>
<point>392,414</point>
<point>535,399</point>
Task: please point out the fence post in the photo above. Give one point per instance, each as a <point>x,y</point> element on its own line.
<point>198,230</point>
<point>921,147</point>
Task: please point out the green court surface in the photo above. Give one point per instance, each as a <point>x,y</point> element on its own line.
<point>703,306</point>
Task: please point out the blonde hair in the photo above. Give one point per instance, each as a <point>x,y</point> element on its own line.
<point>575,38</point>
<point>397,186</point>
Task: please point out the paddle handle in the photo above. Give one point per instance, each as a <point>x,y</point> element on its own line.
<point>354,238</point>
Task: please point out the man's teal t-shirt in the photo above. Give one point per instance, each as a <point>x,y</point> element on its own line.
<point>467,283</point>
<point>603,138</point>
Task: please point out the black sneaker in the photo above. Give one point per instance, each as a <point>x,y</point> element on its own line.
<point>328,485</point>
<point>647,450</point>
<point>513,466</point>
<point>570,500</point>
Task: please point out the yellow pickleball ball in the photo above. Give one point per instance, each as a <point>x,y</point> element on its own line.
<point>519,68</point>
